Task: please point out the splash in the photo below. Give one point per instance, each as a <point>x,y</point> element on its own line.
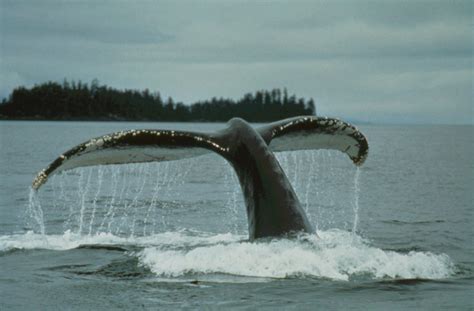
<point>170,253</point>
<point>355,206</point>
<point>100,176</point>
<point>231,183</point>
<point>335,256</point>
<point>151,206</point>
<point>83,191</point>
<point>143,199</point>
<point>136,199</point>
<point>35,211</point>
<point>320,179</point>
<point>71,240</point>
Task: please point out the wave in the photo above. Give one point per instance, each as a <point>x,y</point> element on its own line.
<point>416,223</point>
<point>337,255</point>
<point>333,254</point>
<point>69,240</point>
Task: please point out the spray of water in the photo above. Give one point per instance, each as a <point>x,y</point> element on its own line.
<point>143,199</point>
<point>355,205</point>
<point>232,187</point>
<point>309,182</point>
<point>152,206</point>
<point>336,254</point>
<point>111,204</point>
<point>35,211</point>
<point>100,175</point>
<point>83,191</point>
<point>134,205</point>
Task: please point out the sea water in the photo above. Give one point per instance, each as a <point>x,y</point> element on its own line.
<point>394,234</point>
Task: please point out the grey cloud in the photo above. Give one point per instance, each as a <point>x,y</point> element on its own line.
<point>368,60</point>
<point>83,21</point>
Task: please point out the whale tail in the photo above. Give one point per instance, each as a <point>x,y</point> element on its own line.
<point>137,146</point>
<point>309,133</point>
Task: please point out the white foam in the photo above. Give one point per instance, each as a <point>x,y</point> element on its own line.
<point>70,240</point>
<point>337,255</point>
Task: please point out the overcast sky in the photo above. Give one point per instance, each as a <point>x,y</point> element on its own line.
<point>377,61</point>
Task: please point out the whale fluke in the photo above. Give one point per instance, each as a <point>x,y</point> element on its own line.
<point>273,208</point>
<point>132,146</point>
<point>309,133</point>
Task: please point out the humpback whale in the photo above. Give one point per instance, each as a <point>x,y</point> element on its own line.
<point>273,209</point>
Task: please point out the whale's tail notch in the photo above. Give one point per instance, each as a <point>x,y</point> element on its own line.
<point>311,132</point>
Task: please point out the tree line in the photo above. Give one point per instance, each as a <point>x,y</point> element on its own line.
<point>80,101</point>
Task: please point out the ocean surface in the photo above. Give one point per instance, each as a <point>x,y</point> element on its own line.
<point>396,234</point>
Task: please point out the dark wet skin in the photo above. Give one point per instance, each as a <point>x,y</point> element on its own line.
<point>273,209</point>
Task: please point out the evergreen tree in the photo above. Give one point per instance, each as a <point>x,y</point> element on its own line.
<point>78,100</point>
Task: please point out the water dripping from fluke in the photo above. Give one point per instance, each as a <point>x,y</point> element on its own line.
<point>138,200</point>
<point>355,205</point>
<point>35,212</point>
<point>129,201</point>
<point>336,254</point>
<point>100,175</point>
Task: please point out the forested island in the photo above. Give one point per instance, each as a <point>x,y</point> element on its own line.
<point>80,101</point>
